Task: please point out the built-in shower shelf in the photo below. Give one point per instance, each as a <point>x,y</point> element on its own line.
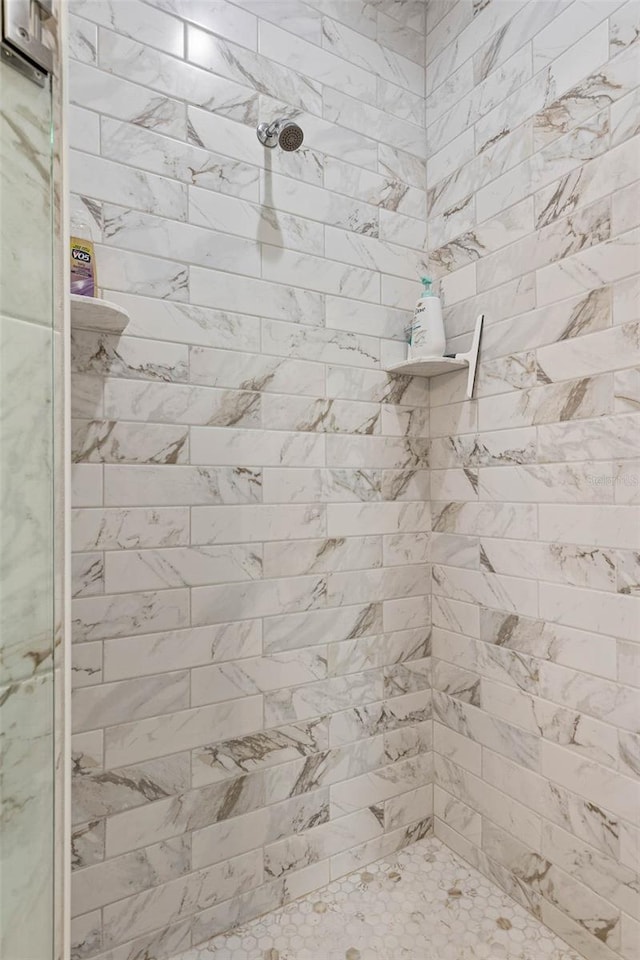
<point>428,366</point>
<point>434,366</point>
<point>97,314</point>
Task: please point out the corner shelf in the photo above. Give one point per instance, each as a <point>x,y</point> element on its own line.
<point>93,313</point>
<point>434,366</point>
<point>427,366</point>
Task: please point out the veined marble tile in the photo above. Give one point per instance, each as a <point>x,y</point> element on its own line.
<point>257,599</point>
<point>400,548</point>
<point>456,615</point>
<point>603,699</point>
<point>173,732</point>
<point>371,585</point>
<point>132,20</point>
<point>260,223</point>
<point>226,681</point>
<point>87,844</point>
<point>546,483</point>
<point>110,441</point>
<point>243,834</point>
<point>505,738</point>
<point>286,558</point>
<point>127,101</point>
<point>576,900</point>
<point>353,212</point>
<point>485,519</point>
<point>83,40</point>
<point>386,452</point>
<point>398,713</point>
<point>313,61</point>
<point>288,632</point>
<point>549,403</point>
<point>190,647</point>
<point>268,896</point>
<point>86,664</point>
<point>560,563</point>
<point>97,618</point>
<point>212,445</point>
<point>291,485</point>
<point>166,75</point>
<point>407,612</point>
<point>377,59</point>
<point>105,180</point>
<point>221,17</point>
<point>628,572</point>
<point>283,412</point>
<point>257,522</point>
<point>103,883</point>
<point>582,818</point>
<point>230,758</point>
<point>106,355</point>
<point>322,841</point>
<point>180,403</point>
<point>595,267</point>
<point>372,518</point>
<point>375,386</point>
<point>134,273</point>
<point>160,237</point>
<point>117,529</point>
<point>178,898</point>
<point>603,612</point>
<point>588,182</point>
<point>248,371</point>
<point>278,79</point>
<point>186,323</point>
<point>134,485</point>
<point>328,345</point>
<point>550,641</point>
<point>87,574</point>
<point>323,696</point>
<point>181,566</point>
<point>380,785</point>
<point>86,485</point>
<point>611,526</point>
<point>485,450</point>
<point>352,656</point>
<point>623,118</point>
<point>588,438</point>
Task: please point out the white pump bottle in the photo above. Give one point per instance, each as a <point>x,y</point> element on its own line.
<point>427,330</point>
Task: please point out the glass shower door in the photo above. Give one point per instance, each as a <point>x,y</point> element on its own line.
<point>27,543</point>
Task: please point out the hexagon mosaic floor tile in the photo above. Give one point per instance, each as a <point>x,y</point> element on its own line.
<point>422,903</point>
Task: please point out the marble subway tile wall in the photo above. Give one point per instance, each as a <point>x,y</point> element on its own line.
<point>532,218</point>
<point>252,702</point>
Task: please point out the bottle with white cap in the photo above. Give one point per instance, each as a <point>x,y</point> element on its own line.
<point>427,329</point>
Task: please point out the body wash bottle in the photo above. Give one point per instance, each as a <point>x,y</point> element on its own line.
<point>427,329</point>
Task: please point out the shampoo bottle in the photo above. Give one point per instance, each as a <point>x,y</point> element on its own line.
<point>82,260</point>
<point>427,329</point>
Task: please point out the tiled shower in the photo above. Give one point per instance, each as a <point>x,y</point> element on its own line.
<point>343,637</point>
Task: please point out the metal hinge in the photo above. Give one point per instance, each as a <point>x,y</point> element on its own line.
<point>22,44</point>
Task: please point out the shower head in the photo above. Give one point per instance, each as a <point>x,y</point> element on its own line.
<point>283,133</point>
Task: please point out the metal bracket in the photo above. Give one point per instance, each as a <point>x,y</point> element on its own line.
<point>471,356</point>
<point>22,45</point>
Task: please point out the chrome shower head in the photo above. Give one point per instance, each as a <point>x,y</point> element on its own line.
<point>282,133</point>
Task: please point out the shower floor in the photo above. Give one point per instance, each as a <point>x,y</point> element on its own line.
<point>423,903</point>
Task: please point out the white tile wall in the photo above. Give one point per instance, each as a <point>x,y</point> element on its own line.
<point>252,622</point>
<point>532,169</point>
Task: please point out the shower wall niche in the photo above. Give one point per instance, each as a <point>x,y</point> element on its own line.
<point>252,705</point>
